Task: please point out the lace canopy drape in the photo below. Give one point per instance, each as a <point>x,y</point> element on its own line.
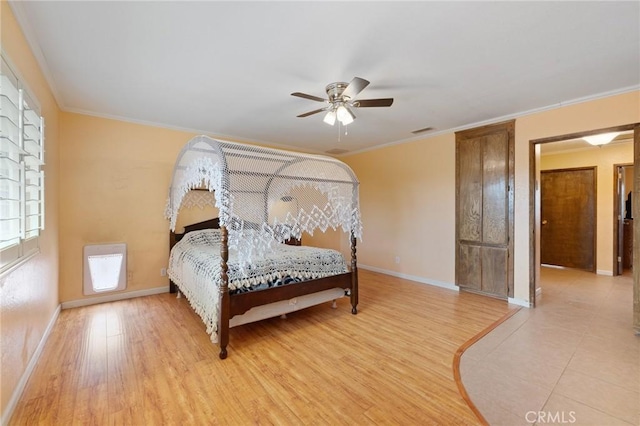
<point>265,195</point>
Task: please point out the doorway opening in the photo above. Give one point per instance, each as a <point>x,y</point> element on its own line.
<point>569,151</point>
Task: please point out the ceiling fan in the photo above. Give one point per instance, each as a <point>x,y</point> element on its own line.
<point>341,100</point>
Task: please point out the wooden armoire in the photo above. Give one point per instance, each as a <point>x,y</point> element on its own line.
<point>484,209</point>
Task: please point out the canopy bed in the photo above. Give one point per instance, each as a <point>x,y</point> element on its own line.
<point>236,268</point>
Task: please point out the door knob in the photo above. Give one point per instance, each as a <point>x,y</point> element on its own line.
<point>544,222</point>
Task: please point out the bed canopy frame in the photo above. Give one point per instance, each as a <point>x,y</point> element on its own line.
<point>264,196</point>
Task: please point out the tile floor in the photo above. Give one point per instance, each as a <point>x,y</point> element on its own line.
<point>574,359</point>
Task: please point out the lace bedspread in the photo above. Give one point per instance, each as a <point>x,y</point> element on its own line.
<point>194,266</point>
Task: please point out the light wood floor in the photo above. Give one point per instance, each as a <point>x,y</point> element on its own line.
<point>148,361</point>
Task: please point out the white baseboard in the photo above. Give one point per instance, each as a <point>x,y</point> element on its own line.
<point>415,278</point>
<point>114,297</point>
<point>598,271</point>
<point>22,383</point>
<point>519,302</point>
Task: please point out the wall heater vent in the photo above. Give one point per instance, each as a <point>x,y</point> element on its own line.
<point>105,268</point>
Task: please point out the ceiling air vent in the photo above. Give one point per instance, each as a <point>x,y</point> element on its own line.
<point>337,151</point>
<point>426,129</point>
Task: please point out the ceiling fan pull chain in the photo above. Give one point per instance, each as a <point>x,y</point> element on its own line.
<point>338,131</point>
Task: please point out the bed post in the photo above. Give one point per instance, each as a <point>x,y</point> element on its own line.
<point>225,301</point>
<point>354,276</point>
<point>173,288</point>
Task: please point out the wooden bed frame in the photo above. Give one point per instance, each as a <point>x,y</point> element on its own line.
<point>237,304</point>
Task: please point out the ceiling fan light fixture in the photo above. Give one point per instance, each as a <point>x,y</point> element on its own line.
<point>344,115</point>
<point>330,118</point>
<point>601,139</point>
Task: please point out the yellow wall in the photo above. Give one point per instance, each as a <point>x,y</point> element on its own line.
<point>628,179</point>
<point>194,215</point>
<point>29,294</point>
<point>115,177</point>
<point>408,192</point>
<point>604,159</point>
<point>407,199</point>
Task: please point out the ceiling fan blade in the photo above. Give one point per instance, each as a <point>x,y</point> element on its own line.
<point>353,117</point>
<point>356,86</point>
<point>306,114</point>
<point>367,103</point>
<point>311,97</point>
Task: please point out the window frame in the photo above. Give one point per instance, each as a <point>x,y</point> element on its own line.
<point>22,158</point>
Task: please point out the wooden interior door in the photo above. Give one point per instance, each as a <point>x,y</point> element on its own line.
<point>484,209</point>
<point>568,214</point>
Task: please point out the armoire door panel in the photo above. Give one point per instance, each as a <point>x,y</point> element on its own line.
<point>470,194</point>
<point>495,213</point>
<point>470,271</point>
<point>494,271</point>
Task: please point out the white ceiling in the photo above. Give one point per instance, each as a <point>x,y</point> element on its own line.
<point>228,68</point>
